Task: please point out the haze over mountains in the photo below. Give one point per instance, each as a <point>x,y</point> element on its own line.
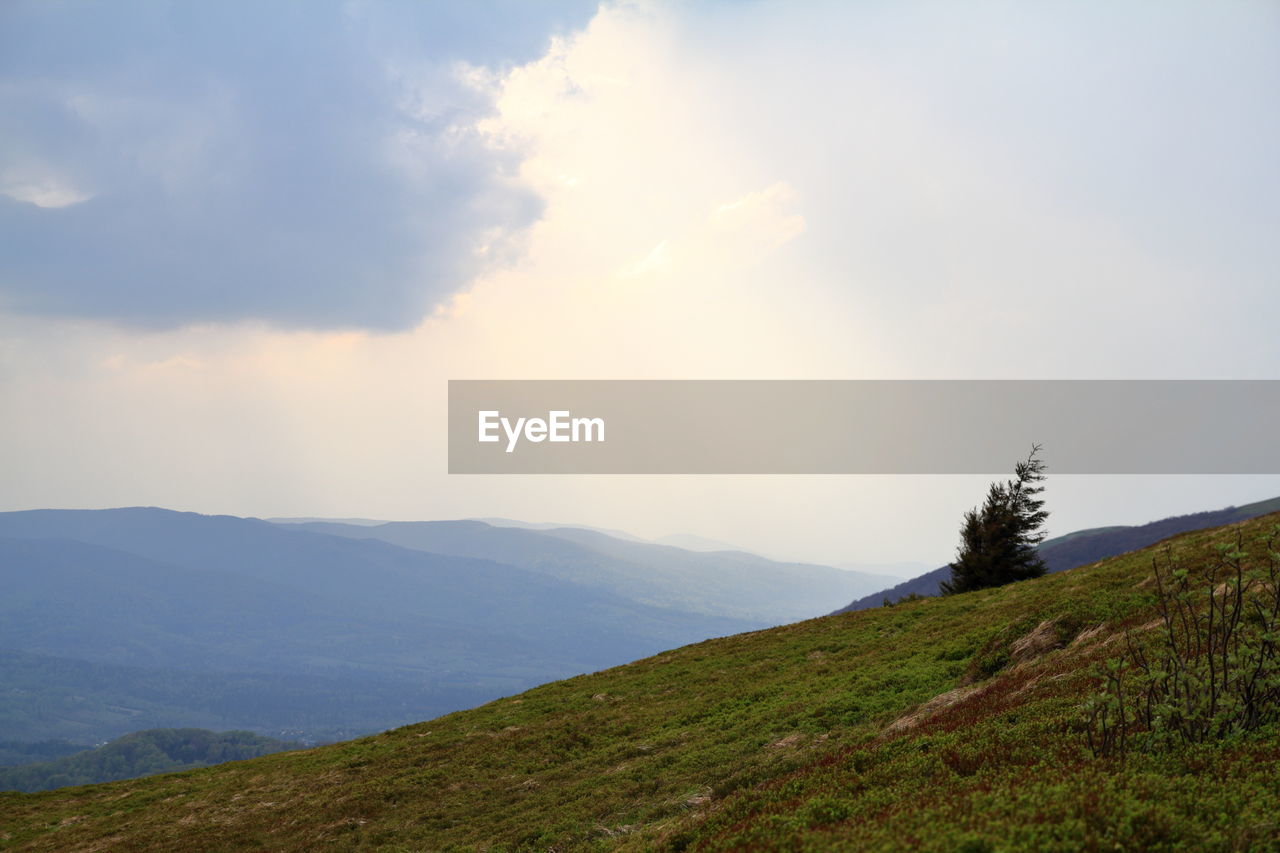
<point>732,584</point>
<point>119,620</point>
<point>947,724</point>
<point>686,541</point>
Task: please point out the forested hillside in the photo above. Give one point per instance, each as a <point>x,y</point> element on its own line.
<point>141,754</point>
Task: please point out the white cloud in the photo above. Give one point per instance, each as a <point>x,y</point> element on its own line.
<point>746,191</point>
<point>42,193</point>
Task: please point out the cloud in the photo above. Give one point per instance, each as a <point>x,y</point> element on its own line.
<point>816,190</point>
<point>737,234</point>
<point>310,165</point>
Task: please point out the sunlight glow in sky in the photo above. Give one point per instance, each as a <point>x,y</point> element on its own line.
<point>244,246</point>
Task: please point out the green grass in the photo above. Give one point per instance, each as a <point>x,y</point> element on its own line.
<point>806,737</point>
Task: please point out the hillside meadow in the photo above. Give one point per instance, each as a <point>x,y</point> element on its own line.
<point>938,724</point>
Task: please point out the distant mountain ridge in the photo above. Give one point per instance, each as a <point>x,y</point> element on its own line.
<point>730,584</point>
<point>293,579</point>
<point>1083,547</point>
<point>494,521</point>
<point>116,620</point>
<point>948,724</point>
<point>684,541</point>
<point>163,596</point>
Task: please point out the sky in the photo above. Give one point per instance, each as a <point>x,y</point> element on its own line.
<point>243,247</point>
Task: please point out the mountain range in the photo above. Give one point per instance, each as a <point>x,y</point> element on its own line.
<point>942,724</point>
<point>118,620</point>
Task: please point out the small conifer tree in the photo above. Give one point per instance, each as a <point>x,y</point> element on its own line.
<point>998,542</point>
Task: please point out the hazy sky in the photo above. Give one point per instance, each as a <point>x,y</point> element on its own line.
<point>243,246</point>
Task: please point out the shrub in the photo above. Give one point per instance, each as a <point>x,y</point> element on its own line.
<point>1214,667</point>
<point>824,810</point>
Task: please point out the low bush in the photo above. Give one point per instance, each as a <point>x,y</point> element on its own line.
<point>1213,666</point>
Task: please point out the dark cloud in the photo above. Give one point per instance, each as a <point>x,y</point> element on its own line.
<point>308,164</point>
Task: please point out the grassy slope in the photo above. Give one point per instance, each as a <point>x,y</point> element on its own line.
<point>779,739</point>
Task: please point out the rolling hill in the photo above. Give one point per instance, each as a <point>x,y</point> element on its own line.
<point>942,724</point>
<point>116,620</point>
<point>1081,547</point>
<point>160,597</point>
<point>730,584</point>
